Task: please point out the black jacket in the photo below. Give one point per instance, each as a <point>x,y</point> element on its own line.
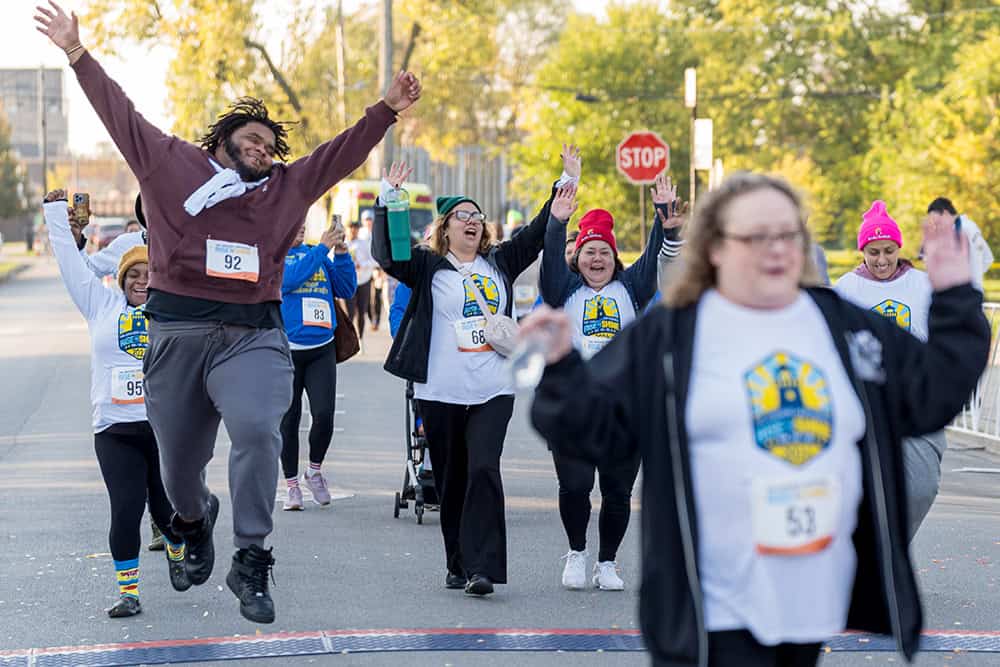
<point>411,346</point>
<point>633,394</point>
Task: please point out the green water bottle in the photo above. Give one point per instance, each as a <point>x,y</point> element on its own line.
<point>398,204</point>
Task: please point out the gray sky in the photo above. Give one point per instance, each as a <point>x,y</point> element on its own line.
<point>141,72</point>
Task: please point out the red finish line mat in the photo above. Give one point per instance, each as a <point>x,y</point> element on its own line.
<point>330,642</point>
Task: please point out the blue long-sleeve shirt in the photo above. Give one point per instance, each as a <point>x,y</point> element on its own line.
<point>400,300</point>
<point>311,275</point>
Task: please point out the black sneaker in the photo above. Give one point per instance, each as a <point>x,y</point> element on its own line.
<point>179,578</point>
<point>453,580</point>
<point>200,556</point>
<point>247,579</point>
<point>127,605</point>
<point>479,585</point>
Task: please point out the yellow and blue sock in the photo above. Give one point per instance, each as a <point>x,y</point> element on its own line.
<point>127,572</point>
<point>175,552</point>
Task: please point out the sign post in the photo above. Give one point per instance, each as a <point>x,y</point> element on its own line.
<point>641,157</point>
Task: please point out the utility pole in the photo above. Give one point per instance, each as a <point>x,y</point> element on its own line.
<point>385,78</point>
<point>691,102</point>
<point>43,130</point>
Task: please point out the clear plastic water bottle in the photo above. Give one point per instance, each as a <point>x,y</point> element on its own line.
<point>527,362</point>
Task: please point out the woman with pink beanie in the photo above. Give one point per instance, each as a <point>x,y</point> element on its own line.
<point>892,287</point>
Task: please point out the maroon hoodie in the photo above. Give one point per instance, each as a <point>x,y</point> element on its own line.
<point>268,217</point>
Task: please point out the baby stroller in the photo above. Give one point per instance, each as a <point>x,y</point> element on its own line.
<point>418,483</point>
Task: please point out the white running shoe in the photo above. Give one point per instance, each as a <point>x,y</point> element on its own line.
<point>574,575</point>
<point>606,576</point>
<point>294,501</point>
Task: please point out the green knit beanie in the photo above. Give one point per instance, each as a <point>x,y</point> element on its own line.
<point>446,204</point>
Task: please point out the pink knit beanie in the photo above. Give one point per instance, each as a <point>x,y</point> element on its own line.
<point>876,225</point>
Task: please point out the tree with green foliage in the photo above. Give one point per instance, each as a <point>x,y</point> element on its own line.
<point>13,182</point>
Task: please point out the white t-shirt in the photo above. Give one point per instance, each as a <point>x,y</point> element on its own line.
<point>905,300</point>
<point>118,335</point>
<point>461,368</point>
<point>361,251</point>
<point>773,424</point>
<point>598,315</point>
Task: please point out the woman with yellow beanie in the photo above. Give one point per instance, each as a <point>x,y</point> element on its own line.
<point>124,442</point>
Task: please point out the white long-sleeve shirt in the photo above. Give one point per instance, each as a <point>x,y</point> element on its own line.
<point>118,336</point>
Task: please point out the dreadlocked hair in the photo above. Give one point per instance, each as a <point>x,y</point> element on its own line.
<point>246,110</point>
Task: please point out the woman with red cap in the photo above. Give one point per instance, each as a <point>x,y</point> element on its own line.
<point>892,287</point>
<point>601,297</point>
<point>462,386</point>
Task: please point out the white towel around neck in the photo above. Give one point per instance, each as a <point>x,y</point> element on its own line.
<point>226,184</point>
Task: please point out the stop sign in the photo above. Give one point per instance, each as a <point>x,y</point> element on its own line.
<point>642,156</point>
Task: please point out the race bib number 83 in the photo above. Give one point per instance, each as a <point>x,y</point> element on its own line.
<point>316,313</point>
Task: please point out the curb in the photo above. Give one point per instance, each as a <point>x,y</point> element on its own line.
<point>12,273</point>
<point>962,440</point>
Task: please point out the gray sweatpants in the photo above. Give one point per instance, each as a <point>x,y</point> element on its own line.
<point>198,373</point>
<point>922,465</point>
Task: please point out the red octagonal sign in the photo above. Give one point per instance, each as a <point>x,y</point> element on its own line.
<point>642,156</point>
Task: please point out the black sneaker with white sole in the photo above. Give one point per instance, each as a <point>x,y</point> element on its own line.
<point>248,580</point>
<point>200,556</point>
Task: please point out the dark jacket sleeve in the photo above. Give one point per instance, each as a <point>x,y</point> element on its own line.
<point>409,272</point>
<point>588,409</point>
<point>642,275</point>
<point>934,379</point>
<point>555,277</point>
<point>517,253</point>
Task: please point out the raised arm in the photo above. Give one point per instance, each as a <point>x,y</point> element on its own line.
<point>408,272</point>
<point>85,289</point>
<point>141,143</point>
<point>555,277</point>
<point>336,159</point>
<point>666,223</point>
<point>343,276</point>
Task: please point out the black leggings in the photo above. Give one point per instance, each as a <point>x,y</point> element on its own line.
<point>466,442</point>
<point>130,465</point>
<point>316,372</point>
<point>738,647</point>
<point>358,306</point>
<point>576,481</point>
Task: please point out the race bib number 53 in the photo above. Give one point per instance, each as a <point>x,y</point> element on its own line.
<point>126,385</point>
<point>794,517</point>
<point>233,261</point>
<point>471,334</point>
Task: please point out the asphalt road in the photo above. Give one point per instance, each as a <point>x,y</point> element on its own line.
<point>351,565</point>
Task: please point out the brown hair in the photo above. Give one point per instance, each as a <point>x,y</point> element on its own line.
<point>438,242</point>
<point>694,273</point>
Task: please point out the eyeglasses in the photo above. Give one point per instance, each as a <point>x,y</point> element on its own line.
<point>473,216</point>
<point>763,240</point>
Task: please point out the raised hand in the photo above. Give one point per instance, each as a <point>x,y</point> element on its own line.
<point>397,175</point>
<point>946,255</point>
<point>664,191</point>
<point>571,160</point>
<point>564,203</point>
<point>55,195</point>
<point>677,217</point>
<point>333,238</point>
<point>62,29</point>
<point>404,91</point>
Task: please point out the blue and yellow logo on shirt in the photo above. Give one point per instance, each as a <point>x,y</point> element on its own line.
<point>792,410</point>
<point>897,311</point>
<point>601,317</point>
<point>489,290</point>
<point>133,338</point>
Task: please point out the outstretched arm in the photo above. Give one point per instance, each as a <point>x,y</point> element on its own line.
<point>141,143</point>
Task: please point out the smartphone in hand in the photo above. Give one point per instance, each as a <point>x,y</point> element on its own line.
<point>81,208</point>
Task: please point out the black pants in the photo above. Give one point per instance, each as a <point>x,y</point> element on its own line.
<point>738,647</point>
<point>358,305</point>
<point>466,442</point>
<point>375,307</point>
<point>316,372</point>
<point>130,465</point>
<point>576,481</point>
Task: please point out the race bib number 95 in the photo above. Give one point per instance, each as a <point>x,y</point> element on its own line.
<point>126,386</point>
<point>233,261</point>
<point>794,517</point>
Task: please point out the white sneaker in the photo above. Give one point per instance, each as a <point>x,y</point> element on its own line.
<point>575,573</point>
<point>606,576</point>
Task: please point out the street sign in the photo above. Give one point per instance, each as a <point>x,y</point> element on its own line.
<point>642,156</point>
<point>703,143</point>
